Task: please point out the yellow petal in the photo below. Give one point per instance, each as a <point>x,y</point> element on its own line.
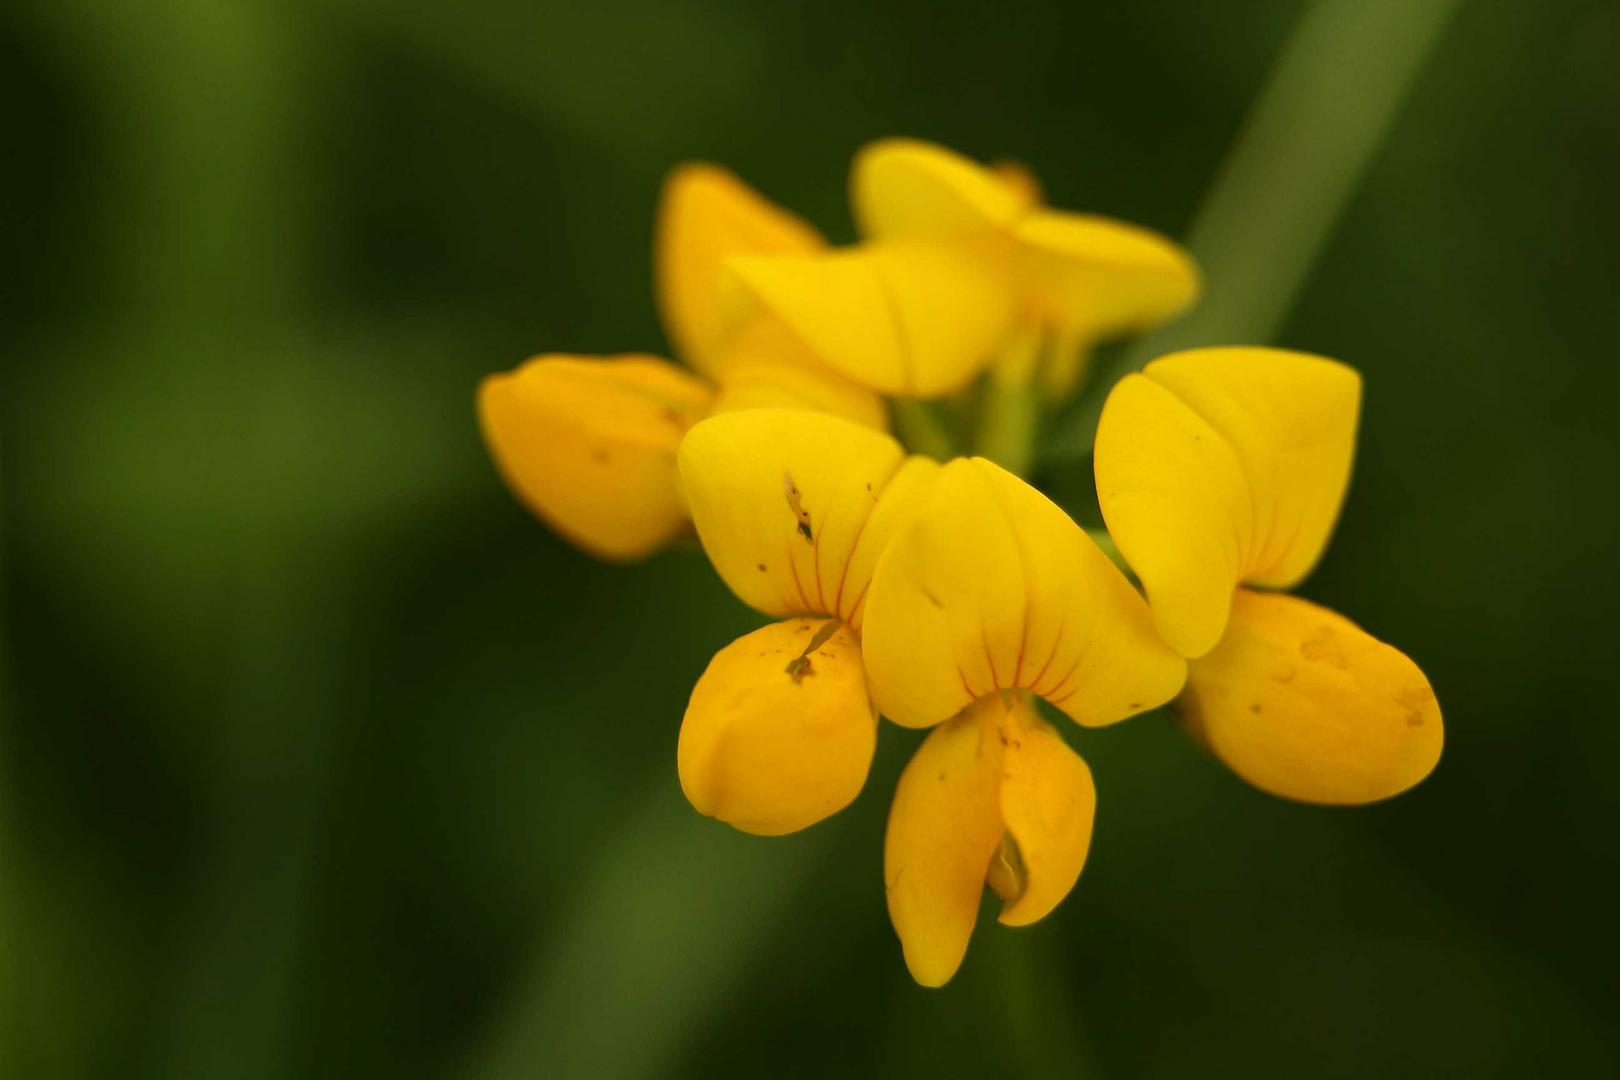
<point>899,504</point>
<point>1302,703</point>
<point>1102,278</point>
<point>907,318</point>
<point>944,826</point>
<point>1220,466</point>
<point>1047,805</point>
<point>782,499</point>
<point>589,445</point>
<point>907,188</point>
<point>779,733</point>
<point>993,588</point>
<point>707,215</point>
<point>1177,504</point>
<point>766,367</point>
<point>1291,419</point>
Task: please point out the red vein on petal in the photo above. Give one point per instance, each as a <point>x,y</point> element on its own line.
<point>1023,640</point>
<point>855,608</point>
<point>815,559</point>
<point>1034,684</point>
<point>1067,675</point>
<point>792,568</point>
<point>984,642</point>
<point>838,599</point>
<point>960,674</point>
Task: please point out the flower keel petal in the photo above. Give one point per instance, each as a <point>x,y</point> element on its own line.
<point>589,445</point>
<point>1302,703</point>
<point>944,827</point>
<point>779,732</point>
<point>1048,803</point>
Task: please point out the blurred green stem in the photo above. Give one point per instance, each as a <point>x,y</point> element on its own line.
<point>629,977</point>
<point>208,250</point>
<point>1010,414</point>
<point>923,428</point>
<point>1325,110</point>
<point>1044,1031</point>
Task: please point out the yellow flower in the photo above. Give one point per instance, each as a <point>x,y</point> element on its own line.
<point>1220,472</point>
<point>589,443</point>
<point>990,597</point>
<point>952,596</point>
<point>959,263</point>
<point>794,509</point>
<point>962,593</point>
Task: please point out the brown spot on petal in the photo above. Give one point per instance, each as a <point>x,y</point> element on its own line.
<point>795,503</point>
<point>1323,647</point>
<point>1415,700</point>
<point>800,665</point>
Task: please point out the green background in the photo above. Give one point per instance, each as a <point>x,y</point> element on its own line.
<point>320,757</point>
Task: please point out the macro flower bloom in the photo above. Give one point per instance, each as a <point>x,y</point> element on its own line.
<point>942,596</point>
<point>588,443</point>
<point>961,266</point>
<point>1220,473</point>
<point>949,595</point>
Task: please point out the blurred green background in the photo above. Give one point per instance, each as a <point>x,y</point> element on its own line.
<point>320,758</point>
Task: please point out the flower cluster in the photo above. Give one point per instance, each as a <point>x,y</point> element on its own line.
<point>951,595</point>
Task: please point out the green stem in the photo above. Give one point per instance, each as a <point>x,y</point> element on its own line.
<point>1008,422</point>
<point>617,959</point>
<point>1326,109</point>
<point>1043,1029</point>
<point>923,428</point>
<point>1010,411</point>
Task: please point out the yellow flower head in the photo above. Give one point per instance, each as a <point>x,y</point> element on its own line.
<point>951,596</point>
<point>1220,472</point>
<point>589,443</point>
<point>954,594</point>
<point>958,260</point>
